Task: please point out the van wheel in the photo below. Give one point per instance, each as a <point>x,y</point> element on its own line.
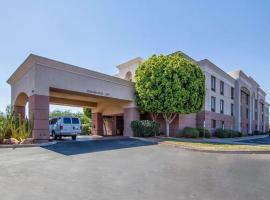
<point>74,137</point>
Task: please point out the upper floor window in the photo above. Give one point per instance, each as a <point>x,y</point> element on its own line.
<point>232,109</point>
<point>128,76</point>
<point>247,113</point>
<point>213,83</point>
<point>247,99</point>
<point>256,104</point>
<point>232,93</point>
<point>213,104</point>
<point>221,87</point>
<point>221,106</point>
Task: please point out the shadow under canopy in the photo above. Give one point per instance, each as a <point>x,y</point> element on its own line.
<point>82,147</point>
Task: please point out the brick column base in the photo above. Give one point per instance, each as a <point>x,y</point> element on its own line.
<point>130,114</point>
<point>39,115</point>
<point>97,120</point>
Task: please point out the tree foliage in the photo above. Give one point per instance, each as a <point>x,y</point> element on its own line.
<point>169,85</point>
<point>58,113</point>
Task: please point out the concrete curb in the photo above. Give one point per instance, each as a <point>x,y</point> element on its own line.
<point>13,146</point>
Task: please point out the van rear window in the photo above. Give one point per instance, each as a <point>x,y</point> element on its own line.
<point>75,121</point>
<point>67,121</point>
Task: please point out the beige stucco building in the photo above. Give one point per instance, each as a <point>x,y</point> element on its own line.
<point>41,81</point>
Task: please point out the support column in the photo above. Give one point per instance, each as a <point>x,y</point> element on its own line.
<point>114,131</point>
<point>39,115</point>
<point>130,114</point>
<point>97,120</point>
<point>19,111</point>
<point>250,115</point>
<point>237,116</point>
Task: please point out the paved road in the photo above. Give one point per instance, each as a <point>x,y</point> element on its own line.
<point>127,169</point>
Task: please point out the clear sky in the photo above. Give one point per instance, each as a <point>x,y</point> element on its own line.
<point>99,34</point>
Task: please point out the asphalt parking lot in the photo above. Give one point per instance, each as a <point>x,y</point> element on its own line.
<point>130,169</point>
<point>262,141</point>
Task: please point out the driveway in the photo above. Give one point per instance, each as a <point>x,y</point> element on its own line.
<point>128,169</point>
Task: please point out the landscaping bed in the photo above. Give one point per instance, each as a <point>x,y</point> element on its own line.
<point>215,147</point>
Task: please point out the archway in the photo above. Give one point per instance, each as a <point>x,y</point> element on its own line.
<point>19,107</point>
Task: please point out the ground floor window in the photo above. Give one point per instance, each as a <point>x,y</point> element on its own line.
<point>214,123</point>
<point>222,124</point>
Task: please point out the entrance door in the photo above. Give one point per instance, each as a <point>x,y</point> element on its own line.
<point>119,125</point>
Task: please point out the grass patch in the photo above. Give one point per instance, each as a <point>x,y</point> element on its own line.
<point>216,146</point>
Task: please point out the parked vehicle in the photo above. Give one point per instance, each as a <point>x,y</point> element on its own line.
<point>65,126</point>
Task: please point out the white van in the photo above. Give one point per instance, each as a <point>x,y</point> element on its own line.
<point>65,126</point>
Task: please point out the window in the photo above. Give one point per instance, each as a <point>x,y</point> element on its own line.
<point>247,113</point>
<point>213,83</point>
<point>232,109</point>
<point>256,104</point>
<point>214,123</point>
<point>128,76</point>
<point>75,121</point>
<point>53,121</point>
<point>221,106</point>
<point>221,87</point>
<point>67,121</point>
<point>213,104</point>
<point>247,99</point>
<point>232,93</point>
<point>222,124</point>
<point>256,115</point>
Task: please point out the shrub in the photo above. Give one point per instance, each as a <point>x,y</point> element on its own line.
<point>204,132</point>
<point>225,133</point>
<point>85,129</point>
<point>189,132</point>
<point>259,133</point>
<point>145,128</point>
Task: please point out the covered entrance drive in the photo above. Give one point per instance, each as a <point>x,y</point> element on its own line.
<point>41,81</point>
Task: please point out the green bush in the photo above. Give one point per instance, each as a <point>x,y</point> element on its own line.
<point>222,133</point>
<point>225,133</point>
<point>189,132</point>
<point>204,132</point>
<point>86,129</point>
<point>145,128</point>
<point>259,133</point>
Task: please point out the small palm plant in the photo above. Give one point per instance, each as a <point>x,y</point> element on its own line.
<point>12,126</point>
<point>20,128</point>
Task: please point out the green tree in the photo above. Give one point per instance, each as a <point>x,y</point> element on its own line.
<point>168,86</point>
<point>87,112</point>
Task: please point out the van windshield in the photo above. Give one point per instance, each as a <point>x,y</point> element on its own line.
<point>67,121</point>
<point>75,121</point>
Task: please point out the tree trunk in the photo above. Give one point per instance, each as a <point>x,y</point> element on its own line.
<point>169,117</point>
<point>154,116</point>
<point>167,128</point>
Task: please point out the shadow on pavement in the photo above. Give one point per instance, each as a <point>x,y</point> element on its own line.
<point>81,147</point>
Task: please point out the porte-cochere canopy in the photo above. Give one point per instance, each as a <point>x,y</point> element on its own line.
<point>42,81</point>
